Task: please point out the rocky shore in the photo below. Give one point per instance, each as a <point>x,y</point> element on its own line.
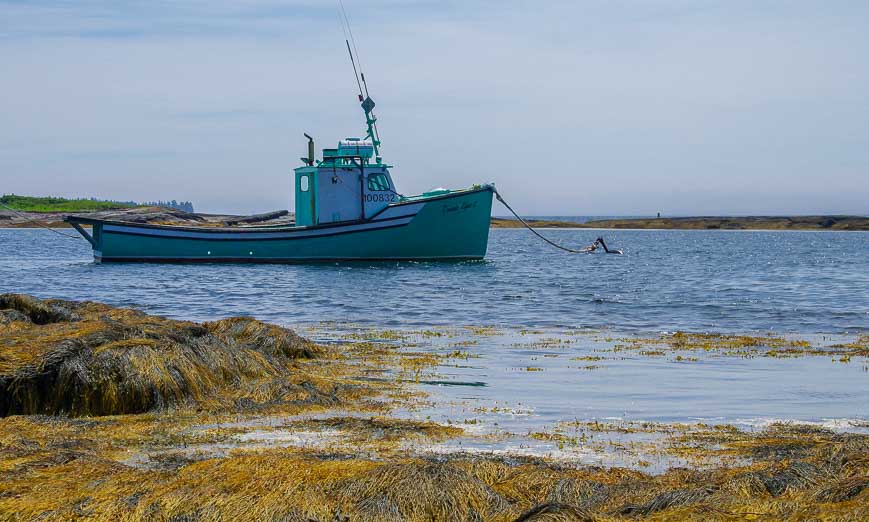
<point>706,223</point>
<point>149,215</point>
<point>124,415</point>
<point>157,215</point>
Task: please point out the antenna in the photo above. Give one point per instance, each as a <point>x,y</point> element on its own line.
<point>355,49</point>
<point>355,74</point>
<point>367,103</point>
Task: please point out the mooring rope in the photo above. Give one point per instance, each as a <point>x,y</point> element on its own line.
<point>585,250</point>
<point>37,223</point>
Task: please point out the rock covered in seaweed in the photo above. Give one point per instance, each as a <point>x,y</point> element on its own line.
<point>92,359</point>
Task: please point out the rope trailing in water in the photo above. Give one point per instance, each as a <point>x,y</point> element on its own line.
<point>37,223</point>
<point>586,250</point>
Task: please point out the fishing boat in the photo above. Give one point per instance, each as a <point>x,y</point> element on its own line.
<point>347,209</point>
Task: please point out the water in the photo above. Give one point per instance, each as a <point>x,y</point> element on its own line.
<point>810,285</point>
<point>547,377</point>
<point>725,281</point>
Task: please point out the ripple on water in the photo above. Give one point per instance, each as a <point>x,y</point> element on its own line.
<point>688,280</point>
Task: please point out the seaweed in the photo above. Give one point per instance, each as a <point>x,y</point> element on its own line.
<point>77,459</point>
<point>201,387</point>
<point>88,359</point>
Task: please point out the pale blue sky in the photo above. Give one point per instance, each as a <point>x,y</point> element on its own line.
<point>600,107</point>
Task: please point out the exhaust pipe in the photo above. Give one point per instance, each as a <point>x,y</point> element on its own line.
<point>310,159</point>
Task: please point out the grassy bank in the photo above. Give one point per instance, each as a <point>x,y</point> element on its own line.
<point>113,414</point>
<point>52,204</point>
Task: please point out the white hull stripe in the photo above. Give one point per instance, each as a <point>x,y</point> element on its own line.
<point>400,210</point>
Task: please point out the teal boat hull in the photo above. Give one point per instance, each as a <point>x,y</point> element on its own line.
<point>443,227</point>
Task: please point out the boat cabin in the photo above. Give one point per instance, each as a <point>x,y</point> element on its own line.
<point>346,185</point>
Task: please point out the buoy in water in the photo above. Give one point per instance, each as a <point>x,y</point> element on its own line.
<point>605,248</point>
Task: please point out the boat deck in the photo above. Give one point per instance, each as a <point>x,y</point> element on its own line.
<point>172,217</point>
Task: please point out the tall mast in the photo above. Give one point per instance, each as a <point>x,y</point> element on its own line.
<point>366,101</point>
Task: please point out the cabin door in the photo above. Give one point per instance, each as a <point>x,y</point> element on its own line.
<point>339,196</point>
<point>306,198</point>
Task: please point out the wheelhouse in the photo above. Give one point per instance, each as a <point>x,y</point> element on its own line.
<point>345,185</point>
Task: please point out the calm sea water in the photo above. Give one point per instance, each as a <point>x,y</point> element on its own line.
<point>801,282</point>
<point>513,384</point>
<point>814,285</point>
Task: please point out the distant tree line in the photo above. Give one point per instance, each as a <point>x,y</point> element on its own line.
<point>186,206</point>
<point>59,204</point>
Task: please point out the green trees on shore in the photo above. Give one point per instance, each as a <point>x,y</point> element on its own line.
<point>58,204</point>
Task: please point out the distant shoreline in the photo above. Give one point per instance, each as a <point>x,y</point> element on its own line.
<point>839,223</point>
<point>833,223</point>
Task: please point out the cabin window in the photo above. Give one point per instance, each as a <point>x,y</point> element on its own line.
<point>303,183</point>
<point>378,182</point>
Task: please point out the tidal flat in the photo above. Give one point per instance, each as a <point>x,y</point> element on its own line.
<point>113,414</point>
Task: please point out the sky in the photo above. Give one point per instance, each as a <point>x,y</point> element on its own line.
<point>572,107</point>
